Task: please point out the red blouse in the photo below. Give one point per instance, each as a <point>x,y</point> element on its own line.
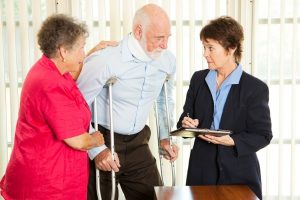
<point>42,165</point>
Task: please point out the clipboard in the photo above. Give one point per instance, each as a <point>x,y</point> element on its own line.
<point>194,132</point>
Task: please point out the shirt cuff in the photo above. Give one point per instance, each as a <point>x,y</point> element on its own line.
<point>95,151</point>
<point>163,136</point>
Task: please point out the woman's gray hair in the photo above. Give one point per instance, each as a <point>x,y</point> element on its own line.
<point>59,30</point>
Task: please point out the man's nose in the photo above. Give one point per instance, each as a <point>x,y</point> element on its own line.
<point>164,44</point>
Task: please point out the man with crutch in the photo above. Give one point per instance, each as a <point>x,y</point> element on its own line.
<point>140,64</point>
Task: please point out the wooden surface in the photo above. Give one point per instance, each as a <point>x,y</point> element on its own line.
<point>219,192</point>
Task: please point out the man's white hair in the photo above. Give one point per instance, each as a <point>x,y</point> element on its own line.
<point>141,17</point>
<point>147,14</point>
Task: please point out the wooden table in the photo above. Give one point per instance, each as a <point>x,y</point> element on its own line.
<point>219,192</point>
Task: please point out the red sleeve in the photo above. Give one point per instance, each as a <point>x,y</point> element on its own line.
<point>63,113</point>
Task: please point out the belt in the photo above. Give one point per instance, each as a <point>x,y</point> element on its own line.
<point>104,130</point>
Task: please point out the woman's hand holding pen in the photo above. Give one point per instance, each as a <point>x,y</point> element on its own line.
<point>188,122</point>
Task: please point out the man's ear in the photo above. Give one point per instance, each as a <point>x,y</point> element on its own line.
<point>138,32</point>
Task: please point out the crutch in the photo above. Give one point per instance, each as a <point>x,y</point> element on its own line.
<point>169,129</point>
<point>97,170</point>
<point>158,141</point>
<point>109,83</point>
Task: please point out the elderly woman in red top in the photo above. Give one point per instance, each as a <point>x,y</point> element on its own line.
<point>49,159</point>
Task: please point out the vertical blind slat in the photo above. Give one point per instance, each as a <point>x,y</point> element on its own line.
<point>3,106</point>
<point>102,19</point>
<point>244,20</point>
<point>127,16</point>
<point>253,43</point>
<point>89,23</point>
<point>217,8</point>
<point>204,22</point>
<point>13,77</point>
<point>50,7</point>
<point>24,38</point>
<point>179,73</point>
<point>115,26</point>
<point>281,99</point>
<point>268,83</point>
<point>75,11</point>
<point>293,103</point>
<point>36,22</point>
<point>179,70</point>
<point>192,41</point>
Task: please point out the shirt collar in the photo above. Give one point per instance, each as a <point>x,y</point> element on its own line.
<point>233,78</point>
<point>131,49</point>
<point>48,63</point>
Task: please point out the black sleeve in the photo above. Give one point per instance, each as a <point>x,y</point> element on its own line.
<point>258,133</point>
<point>188,108</point>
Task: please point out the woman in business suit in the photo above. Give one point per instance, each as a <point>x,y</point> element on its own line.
<point>226,97</point>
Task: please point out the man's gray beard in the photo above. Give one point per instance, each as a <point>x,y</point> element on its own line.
<point>155,55</point>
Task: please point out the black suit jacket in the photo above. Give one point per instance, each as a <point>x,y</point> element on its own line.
<point>246,113</point>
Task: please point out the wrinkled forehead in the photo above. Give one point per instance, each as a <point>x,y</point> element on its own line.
<point>159,27</point>
<point>159,18</point>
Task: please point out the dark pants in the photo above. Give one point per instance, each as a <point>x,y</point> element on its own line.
<point>138,173</point>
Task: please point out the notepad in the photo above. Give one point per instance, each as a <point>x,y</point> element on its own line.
<point>194,132</point>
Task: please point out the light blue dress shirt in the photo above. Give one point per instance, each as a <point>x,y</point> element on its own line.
<point>220,96</point>
<point>139,83</point>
